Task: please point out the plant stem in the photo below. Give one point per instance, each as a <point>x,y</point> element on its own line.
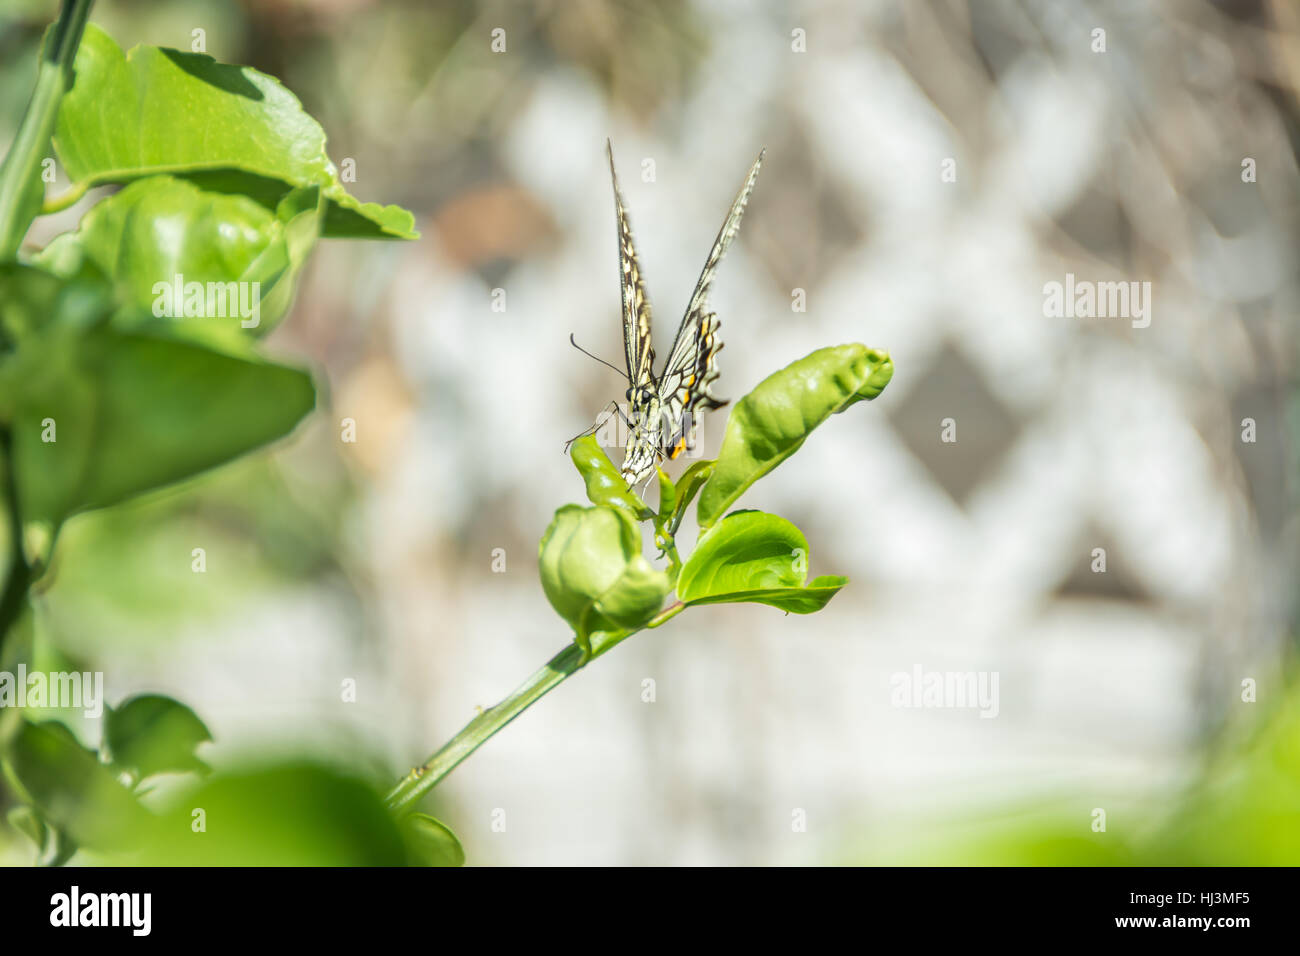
<point>65,199</point>
<point>18,579</point>
<point>21,187</point>
<point>425,777</point>
<point>477,732</point>
<point>21,192</point>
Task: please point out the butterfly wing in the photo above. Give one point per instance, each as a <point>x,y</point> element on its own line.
<point>636,306</point>
<point>692,364</point>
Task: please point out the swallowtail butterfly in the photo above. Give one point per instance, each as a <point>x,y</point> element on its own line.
<point>662,410</point>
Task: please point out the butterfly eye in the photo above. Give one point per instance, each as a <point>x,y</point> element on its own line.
<point>629,394</point>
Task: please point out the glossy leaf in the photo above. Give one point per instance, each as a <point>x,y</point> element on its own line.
<point>688,486</point>
<point>156,110</point>
<point>809,598</point>
<point>752,556</point>
<point>152,734</point>
<point>769,424</point>
<point>74,791</point>
<point>131,412</point>
<point>605,486</point>
<point>667,496</point>
<point>593,571</point>
<point>430,842</point>
<point>169,247</point>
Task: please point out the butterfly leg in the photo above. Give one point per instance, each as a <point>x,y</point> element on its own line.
<point>595,426</point>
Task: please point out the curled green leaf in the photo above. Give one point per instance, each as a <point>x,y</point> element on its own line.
<point>769,424</point>
<point>754,557</point>
<point>605,486</point>
<point>667,497</point>
<point>594,574</point>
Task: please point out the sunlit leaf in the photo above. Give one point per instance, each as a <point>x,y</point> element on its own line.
<point>667,496</point>
<point>605,486</point>
<point>769,424</point>
<point>156,110</point>
<point>757,558</point>
<point>170,248</point>
<point>206,265</point>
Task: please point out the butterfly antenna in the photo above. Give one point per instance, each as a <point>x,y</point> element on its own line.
<point>597,423</point>
<point>574,343</point>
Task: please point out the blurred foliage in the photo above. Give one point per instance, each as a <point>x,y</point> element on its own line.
<point>401,87</point>
<point>103,399</point>
<point>1241,811</point>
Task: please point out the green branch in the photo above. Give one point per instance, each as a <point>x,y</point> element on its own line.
<point>22,190</point>
<point>478,731</point>
<point>65,200</point>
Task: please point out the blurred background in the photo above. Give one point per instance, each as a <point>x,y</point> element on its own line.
<point>930,167</point>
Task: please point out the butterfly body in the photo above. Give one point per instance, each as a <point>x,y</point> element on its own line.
<point>662,410</point>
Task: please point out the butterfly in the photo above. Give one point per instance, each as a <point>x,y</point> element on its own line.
<point>662,409</point>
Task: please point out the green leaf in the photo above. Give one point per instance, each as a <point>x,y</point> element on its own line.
<point>688,486</point>
<point>154,734</point>
<point>169,247</point>
<point>605,486</point>
<point>26,820</point>
<point>430,842</point>
<point>31,299</point>
<point>667,496</point>
<point>156,110</point>
<point>769,424</point>
<point>752,556</point>
<point>594,574</point>
<point>72,790</point>
<point>812,597</point>
<point>53,848</point>
<point>131,412</point>
<point>295,814</point>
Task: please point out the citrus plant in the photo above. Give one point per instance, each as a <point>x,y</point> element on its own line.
<point>130,359</point>
<point>591,558</point>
